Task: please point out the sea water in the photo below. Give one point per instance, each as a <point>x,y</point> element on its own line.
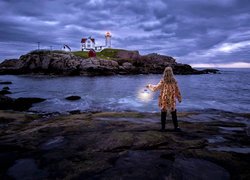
<point>228,91</point>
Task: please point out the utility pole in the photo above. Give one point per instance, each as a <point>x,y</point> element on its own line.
<point>51,48</point>
<point>38,45</point>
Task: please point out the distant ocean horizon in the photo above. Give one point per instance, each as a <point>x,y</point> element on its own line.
<point>227,91</point>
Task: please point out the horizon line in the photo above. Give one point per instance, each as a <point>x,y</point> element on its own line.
<point>221,65</point>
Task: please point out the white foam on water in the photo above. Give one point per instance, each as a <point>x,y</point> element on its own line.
<point>62,105</point>
<point>129,101</point>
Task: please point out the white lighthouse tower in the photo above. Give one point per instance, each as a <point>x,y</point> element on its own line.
<point>108,40</point>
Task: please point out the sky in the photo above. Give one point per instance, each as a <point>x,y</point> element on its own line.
<point>198,32</point>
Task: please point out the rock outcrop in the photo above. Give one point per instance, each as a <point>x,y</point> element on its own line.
<point>123,145</point>
<point>64,63</point>
<point>19,104</point>
<point>128,54</point>
<point>4,91</point>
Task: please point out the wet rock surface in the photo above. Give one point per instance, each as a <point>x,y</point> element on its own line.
<point>120,145</point>
<point>191,168</point>
<point>26,169</point>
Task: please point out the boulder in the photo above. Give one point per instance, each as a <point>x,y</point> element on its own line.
<point>19,104</point>
<point>22,104</point>
<point>6,82</point>
<point>73,98</point>
<point>6,88</point>
<point>6,102</point>
<point>4,91</point>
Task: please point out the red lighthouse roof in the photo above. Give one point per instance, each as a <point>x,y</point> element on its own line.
<point>92,39</point>
<point>85,39</point>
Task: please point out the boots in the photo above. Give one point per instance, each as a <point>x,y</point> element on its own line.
<point>175,122</point>
<point>163,120</point>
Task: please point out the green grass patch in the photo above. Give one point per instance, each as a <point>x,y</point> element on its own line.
<point>45,51</point>
<point>104,54</point>
<point>111,53</point>
<point>108,54</point>
<point>82,54</point>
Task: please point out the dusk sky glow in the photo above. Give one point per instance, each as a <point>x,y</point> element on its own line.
<point>201,33</point>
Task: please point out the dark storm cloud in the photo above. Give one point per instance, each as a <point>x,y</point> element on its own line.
<point>190,30</point>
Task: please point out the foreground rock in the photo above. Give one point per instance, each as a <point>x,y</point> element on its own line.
<point>64,63</point>
<point>111,145</point>
<point>4,91</point>
<point>19,104</point>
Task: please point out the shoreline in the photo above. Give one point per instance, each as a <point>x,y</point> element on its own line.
<point>205,112</point>
<point>115,144</point>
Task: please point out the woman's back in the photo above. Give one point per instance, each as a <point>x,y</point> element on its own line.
<point>169,92</point>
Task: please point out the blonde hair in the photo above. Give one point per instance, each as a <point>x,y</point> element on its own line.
<point>168,75</point>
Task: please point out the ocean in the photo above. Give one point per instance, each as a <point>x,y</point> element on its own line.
<point>228,91</point>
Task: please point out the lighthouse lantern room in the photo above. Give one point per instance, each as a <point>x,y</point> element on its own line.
<point>108,39</point>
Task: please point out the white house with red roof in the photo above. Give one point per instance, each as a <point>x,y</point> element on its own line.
<point>89,43</point>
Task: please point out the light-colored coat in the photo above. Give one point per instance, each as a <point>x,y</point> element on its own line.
<point>168,94</point>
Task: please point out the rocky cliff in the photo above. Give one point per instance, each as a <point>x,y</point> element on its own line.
<point>65,63</point>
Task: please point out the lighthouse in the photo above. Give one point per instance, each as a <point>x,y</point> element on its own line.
<point>89,43</point>
<point>108,39</point>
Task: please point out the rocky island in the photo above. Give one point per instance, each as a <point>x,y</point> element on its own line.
<point>107,62</point>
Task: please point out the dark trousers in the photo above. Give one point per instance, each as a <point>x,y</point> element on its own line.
<point>174,119</point>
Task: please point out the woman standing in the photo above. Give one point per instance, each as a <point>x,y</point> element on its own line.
<point>169,92</point>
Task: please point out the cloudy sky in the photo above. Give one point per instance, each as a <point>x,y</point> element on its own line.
<point>193,31</point>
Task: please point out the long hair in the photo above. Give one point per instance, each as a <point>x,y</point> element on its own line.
<point>168,75</point>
